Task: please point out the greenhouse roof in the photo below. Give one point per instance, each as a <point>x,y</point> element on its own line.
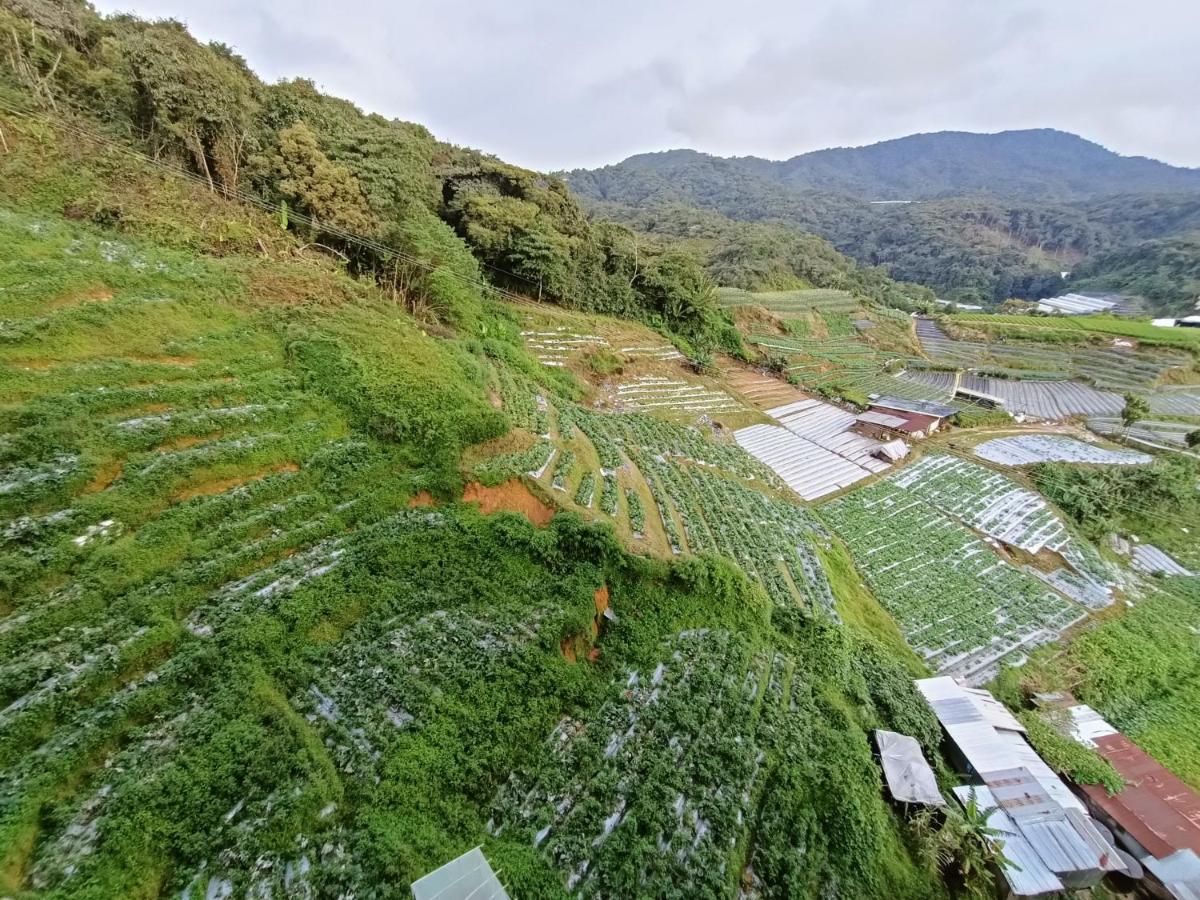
<point>909,777</point>
<point>468,876</point>
<point>923,407</point>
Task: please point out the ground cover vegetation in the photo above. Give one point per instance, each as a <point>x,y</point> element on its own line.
<point>253,644</point>
<point>1139,671</point>
<point>236,660</point>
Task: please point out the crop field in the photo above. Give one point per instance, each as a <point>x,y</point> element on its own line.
<point>1176,401</point>
<point>1000,508</point>
<point>714,498</point>
<point>1115,369</point>
<point>650,393</point>
<point>1077,327</point>
<point>558,337</point>
<point>555,346</point>
<point>1029,449</point>
<point>791,302</point>
<point>1051,400</point>
<point>962,607</point>
<point>243,657</point>
<point>847,365</point>
<point>1151,431</point>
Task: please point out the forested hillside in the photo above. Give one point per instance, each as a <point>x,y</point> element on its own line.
<point>999,216</point>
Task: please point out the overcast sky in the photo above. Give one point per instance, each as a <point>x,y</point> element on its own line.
<point>556,84</point>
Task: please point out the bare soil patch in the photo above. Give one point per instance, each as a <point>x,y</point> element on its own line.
<point>511,496</point>
<point>185,441</point>
<point>421,498</point>
<point>105,476</point>
<point>95,294</point>
<point>211,486</point>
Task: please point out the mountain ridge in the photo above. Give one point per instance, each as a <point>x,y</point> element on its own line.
<point>929,165</point>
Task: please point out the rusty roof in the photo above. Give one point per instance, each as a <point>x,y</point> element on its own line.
<point>1155,806</point>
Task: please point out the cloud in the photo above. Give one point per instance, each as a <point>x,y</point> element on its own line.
<point>553,85</point>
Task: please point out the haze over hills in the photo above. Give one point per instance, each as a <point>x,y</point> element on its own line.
<point>1000,215</point>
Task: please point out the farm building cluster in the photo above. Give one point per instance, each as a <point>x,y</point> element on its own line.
<point>1043,827</point>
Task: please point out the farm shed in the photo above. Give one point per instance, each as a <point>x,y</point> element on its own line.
<point>919,417</point>
<point>1155,809</point>
<point>1051,833</point>
<point>467,876</point>
<point>878,425</point>
<point>908,775</point>
<point>892,451</point>
<point>982,398</point>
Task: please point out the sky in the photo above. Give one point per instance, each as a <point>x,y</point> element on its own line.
<point>555,84</point>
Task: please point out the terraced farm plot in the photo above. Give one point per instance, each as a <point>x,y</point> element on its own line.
<point>704,502</point>
<point>1000,508</point>
<point>959,605</point>
<point>1051,400</point>
<point>846,364</point>
<point>1029,449</point>
<point>790,302</point>
<point>1150,431</point>
<point>659,393</point>
<point>555,346</point>
<point>1176,401</point>
<point>1111,368</point>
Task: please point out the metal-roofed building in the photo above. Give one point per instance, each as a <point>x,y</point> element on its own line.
<point>1155,807</point>
<point>908,774</point>
<point>1028,876</point>
<point>1157,815</point>
<point>468,877</point>
<point>917,417</point>
<point>1046,818</point>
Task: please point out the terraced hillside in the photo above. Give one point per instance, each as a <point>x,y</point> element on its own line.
<point>241,652</point>
<point>1108,367</point>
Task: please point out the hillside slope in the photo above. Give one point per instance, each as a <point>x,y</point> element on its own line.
<point>1002,215</point>
<point>258,636</point>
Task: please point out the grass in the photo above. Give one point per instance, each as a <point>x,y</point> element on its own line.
<point>1082,328</point>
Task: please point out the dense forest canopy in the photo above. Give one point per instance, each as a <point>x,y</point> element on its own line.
<point>993,216</point>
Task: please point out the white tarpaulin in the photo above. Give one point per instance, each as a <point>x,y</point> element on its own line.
<point>908,775</point>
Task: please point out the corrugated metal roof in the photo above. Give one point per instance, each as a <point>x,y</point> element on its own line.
<point>1028,876</point>
<point>1179,872</point>
<point>924,407</point>
<point>1155,807</point>
<point>879,418</point>
<point>993,710</point>
<point>1087,726</point>
<point>468,876</point>
<point>1028,758</point>
<point>908,775</point>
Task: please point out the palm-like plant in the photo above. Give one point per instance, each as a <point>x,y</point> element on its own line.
<point>964,847</point>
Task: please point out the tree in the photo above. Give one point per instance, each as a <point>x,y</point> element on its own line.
<point>314,185</point>
<point>1193,438</point>
<point>1136,409</point>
